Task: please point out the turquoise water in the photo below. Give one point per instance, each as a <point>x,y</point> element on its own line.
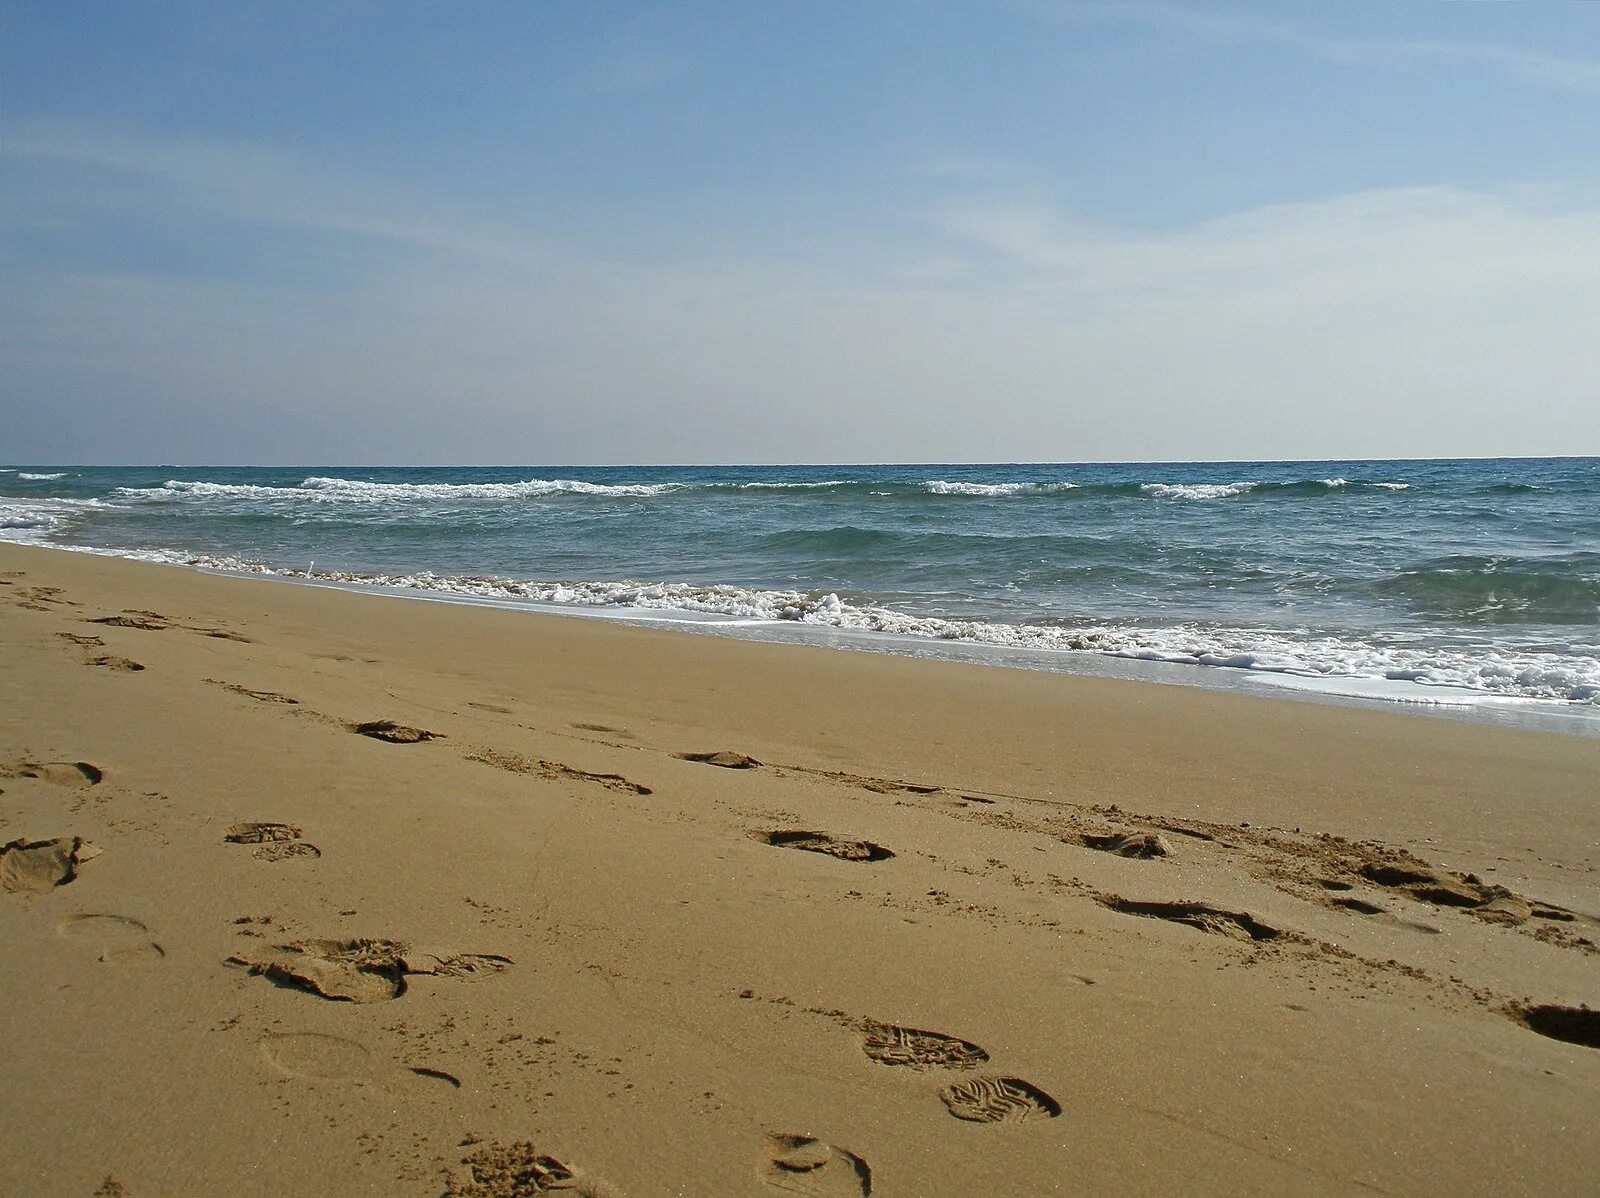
<point>1454,578</point>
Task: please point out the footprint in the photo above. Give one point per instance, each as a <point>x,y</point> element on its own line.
<point>914,1049</point>
<point>85,642</point>
<point>260,696</point>
<point>314,1056</point>
<point>362,971</point>
<point>46,595</point>
<point>119,939</point>
<point>520,1170</point>
<point>260,833</point>
<point>554,770</point>
<point>275,842</point>
<point>222,634</point>
<point>822,842</point>
<point>998,1100</point>
<point>806,1165</point>
<point>393,733</point>
<point>142,620</point>
<point>1143,845</point>
<point>1359,906</point>
<point>494,707</point>
<point>358,971</point>
<point>57,773</point>
<point>1426,883</point>
<point>1236,925</point>
<point>41,865</point>
<point>442,963</point>
<point>726,759</point>
<point>622,732</point>
<point>125,665</point>
<point>285,851</point>
<point>1575,1025</point>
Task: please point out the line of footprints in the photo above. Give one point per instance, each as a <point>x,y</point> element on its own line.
<point>366,971</point>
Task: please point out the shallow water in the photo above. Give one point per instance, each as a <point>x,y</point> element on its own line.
<point>1464,580</point>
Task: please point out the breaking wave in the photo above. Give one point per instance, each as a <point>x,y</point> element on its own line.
<point>321,489</point>
<point>1505,672</point>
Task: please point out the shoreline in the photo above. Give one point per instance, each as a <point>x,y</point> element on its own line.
<point>1442,701</point>
<point>608,949</point>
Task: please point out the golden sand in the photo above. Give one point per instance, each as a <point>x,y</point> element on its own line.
<point>310,892</point>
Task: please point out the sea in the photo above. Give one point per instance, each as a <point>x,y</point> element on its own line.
<point>1468,587</point>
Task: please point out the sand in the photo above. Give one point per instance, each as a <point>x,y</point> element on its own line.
<point>312,892</point>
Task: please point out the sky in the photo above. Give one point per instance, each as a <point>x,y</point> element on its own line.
<point>506,233</point>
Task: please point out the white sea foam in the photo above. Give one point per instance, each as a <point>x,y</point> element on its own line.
<point>346,488</point>
<point>939,486</point>
<point>1334,483</point>
<point>790,486</point>
<point>1487,671</point>
<point>179,487</point>
<point>40,477</point>
<point>37,521</point>
<point>1196,490</point>
<point>321,490</point>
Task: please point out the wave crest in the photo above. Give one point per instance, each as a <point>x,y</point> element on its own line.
<point>1482,672</point>
<point>939,486</point>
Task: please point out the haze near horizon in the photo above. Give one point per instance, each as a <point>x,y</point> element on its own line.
<point>710,233</point>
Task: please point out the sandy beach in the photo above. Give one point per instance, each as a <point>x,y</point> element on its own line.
<point>315,892</point>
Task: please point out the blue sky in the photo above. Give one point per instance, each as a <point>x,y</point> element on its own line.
<point>814,232</point>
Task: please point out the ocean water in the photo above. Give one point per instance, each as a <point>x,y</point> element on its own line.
<point>1456,582</point>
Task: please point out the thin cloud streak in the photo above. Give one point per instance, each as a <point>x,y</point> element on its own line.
<point>256,183</point>
<point>1579,75</point>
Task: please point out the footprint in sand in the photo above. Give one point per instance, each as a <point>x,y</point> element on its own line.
<point>274,842</point>
<point>723,757</point>
<point>293,850</point>
<point>1236,925</point>
<point>607,728</point>
<point>912,1048</point>
<point>259,696</point>
<point>1575,1025</point>
<point>39,865</point>
<point>313,1056</point>
<point>554,770</point>
<point>823,842</point>
<point>393,733</point>
<point>57,773</point>
<point>147,621</point>
<point>1141,845</point>
<point>361,971</point>
<point>358,971</point>
<point>998,1100</point>
<point>806,1165</point>
<point>520,1170</point>
<point>123,665</point>
<point>118,939</point>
